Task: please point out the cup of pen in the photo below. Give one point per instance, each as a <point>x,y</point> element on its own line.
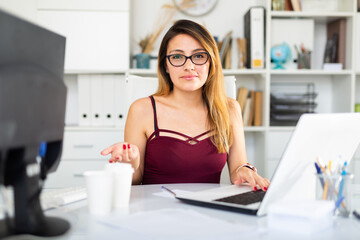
<point>304,60</point>
<point>336,188</point>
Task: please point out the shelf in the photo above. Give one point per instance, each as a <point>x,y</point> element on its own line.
<point>143,72</point>
<point>98,71</point>
<point>226,72</point>
<point>254,129</point>
<point>283,129</point>
<point>243,71</point>
<point>309,72</point>
<point>86,129</point>
<point>322,16</point>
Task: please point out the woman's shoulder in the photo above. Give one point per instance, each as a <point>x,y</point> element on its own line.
<point>234,109</point>
<point>233,104</point>
<point>141,107</point>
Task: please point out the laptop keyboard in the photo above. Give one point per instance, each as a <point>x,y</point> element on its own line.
<point>244,198</point>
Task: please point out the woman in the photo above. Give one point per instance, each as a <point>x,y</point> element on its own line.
<point>186,131</point>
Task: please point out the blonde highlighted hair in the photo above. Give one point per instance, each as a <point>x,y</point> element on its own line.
<point>213,91</point>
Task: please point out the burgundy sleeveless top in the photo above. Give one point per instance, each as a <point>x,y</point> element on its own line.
<point>173,160</point>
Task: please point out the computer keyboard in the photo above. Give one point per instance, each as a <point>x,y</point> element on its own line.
<point>244,198</point>
<point>60,197</point>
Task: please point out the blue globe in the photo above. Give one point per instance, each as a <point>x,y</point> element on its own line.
<point>280,54</point>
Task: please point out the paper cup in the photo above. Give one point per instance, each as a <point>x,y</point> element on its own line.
<point>99,186</point>
<point>122,173</point>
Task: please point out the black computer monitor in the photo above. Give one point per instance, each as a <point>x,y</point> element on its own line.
<point>32,112</point>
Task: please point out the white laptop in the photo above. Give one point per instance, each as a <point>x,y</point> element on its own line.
<point>327,136</point>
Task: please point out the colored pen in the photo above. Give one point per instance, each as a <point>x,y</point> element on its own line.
<point>341,188</point>
<point>338,202</point>
<point>319,172</point>
<point>326,187</point>
<point>173,193</point>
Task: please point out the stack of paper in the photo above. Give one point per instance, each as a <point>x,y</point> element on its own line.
<point>303,217</point>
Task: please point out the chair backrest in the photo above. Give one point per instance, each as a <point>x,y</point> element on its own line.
<point>139,87</point>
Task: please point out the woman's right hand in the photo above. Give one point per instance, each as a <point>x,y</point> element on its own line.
<point>123,152</point>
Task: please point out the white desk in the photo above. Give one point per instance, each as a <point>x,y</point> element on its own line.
<point>86,226</point>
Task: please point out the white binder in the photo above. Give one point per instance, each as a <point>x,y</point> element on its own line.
<point>120,100</point>
<point>108,100</point>
<point>84,91</point>
<point>97,115</point>
<point>255,37</point>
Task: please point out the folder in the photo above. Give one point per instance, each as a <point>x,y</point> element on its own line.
<point>254,21</point>
<point>108,92</point>
<point>84,91</point>
<point>120,100</point>
<point>96,101</point>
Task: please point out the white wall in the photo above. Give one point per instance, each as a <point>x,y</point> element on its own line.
<point>227,15</point>
<point>23,8</point>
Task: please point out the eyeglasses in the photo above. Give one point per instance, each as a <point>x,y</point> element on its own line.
<point>177,60</point>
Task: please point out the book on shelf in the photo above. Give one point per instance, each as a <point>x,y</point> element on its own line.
<point>254,29</point>
<point>296,5</point>
<point>336,30</point>
<point>241,97</point>
<point>247,110</point>
<point>225,48</point>
<point>227,61</point>
<point>250,102</point>
<point>281,5</point>
<point>258,108</point>
<point>252,109</point>
<point>241,45</point>
<point>330,49</point>
<point>288,6</point>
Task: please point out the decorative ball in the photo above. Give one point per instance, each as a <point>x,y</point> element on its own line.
<point>280,54</point>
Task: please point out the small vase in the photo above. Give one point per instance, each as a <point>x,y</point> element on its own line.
<point>142,60</point>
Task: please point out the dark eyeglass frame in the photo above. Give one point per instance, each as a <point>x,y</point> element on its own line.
<point>188,57</point>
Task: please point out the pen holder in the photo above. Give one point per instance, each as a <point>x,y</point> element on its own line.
<point>335,188</point>
<point>304,60</point>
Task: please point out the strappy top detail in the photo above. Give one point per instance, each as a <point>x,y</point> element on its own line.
<point>157,130</point>
<point>174,160</point>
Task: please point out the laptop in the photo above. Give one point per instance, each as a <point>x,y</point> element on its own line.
<point>326,136</point>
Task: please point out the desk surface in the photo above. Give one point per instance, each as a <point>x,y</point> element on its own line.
<point>143,200</point>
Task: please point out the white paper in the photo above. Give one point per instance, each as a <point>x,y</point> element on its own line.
<point>175,224</point>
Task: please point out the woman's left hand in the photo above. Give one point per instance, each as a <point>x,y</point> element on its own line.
<point>246,175</point>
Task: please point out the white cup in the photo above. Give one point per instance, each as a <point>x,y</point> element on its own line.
<point>99,186</point>
<point>122,173</point>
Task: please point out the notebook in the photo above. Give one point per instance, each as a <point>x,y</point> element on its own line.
<point>327,136</point>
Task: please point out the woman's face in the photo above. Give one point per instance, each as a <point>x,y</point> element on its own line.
<point>188,77</point>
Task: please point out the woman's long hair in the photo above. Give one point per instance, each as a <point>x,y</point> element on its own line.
<point>213,91</point>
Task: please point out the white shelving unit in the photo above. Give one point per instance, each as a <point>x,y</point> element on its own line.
<point>338,91</point>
